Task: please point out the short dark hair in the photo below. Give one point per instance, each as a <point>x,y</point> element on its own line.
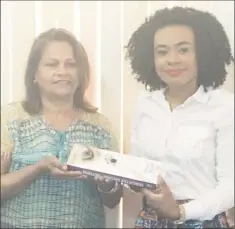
<point>213,50</point>
<point>32,103</point>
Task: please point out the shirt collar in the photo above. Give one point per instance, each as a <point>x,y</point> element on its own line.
<point>200,95</point>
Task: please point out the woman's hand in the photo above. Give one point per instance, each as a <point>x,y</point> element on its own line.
<point>104,185</point>
<point>162,201</point>
<point>58,170</point>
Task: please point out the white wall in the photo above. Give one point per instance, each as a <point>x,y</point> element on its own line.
<point>104,27</point>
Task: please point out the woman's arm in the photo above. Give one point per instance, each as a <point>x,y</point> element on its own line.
<point>14,182</point>
<point>109,194</point>
<point>222,197</point>
<point>230,217</point>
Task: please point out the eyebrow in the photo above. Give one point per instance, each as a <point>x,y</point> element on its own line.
<point>177,44</point>
<point>54,59</point>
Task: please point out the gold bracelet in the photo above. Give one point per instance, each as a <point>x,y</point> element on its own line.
<point>181,220</point>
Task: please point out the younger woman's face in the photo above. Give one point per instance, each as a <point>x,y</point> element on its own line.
<point>175,55</point>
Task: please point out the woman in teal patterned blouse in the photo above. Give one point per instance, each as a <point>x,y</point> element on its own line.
<point>37,190</point>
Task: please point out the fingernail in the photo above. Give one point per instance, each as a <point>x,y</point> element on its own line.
<point>65,167</point>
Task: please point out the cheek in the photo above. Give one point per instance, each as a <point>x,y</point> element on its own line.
<point>43,78</point>
<point>75,78</point>
<point>160,63</point>
<point>192,66</point>
<point>160,66</point>
<point>72,72</point>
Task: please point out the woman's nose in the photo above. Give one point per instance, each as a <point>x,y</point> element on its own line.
<point>173,58</point>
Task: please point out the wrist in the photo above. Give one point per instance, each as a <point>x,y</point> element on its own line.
<point>42,167</point>
<point>179,216</point>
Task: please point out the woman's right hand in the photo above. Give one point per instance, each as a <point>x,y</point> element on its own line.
<point>58,170</point>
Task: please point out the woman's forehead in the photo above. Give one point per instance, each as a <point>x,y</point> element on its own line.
<point>58,50</point>
<point>173,35</point>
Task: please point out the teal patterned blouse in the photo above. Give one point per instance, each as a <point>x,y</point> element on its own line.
<point>49,202</point>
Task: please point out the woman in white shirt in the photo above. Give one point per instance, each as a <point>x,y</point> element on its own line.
<point>186,122</point>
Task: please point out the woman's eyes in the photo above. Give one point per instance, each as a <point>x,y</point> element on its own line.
<point>51,64</point>
<point>184,49</point>
<point>55,64</point>
<point>161,52</point>
<point>71,64</point>
<point>181,50</point>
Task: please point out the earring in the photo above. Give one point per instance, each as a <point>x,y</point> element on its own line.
<point>34,81</point>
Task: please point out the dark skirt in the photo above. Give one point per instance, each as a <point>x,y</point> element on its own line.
<point>148,219</point>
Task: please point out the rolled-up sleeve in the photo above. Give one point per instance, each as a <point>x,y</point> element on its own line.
<point>6,138</point>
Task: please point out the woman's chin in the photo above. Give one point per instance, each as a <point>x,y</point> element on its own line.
<point>62,94</point>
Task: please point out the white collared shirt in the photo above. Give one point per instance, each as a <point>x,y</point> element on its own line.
<point>194,145</point>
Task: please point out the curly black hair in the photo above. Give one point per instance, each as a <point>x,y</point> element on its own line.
<point>212,46</point>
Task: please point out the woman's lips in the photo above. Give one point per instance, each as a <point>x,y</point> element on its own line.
<point>175,72</point>
<point>62,82</point>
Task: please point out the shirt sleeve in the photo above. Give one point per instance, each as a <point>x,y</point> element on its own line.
<point>6,139</point>
<point>221,198</point>
<point>135,147</point>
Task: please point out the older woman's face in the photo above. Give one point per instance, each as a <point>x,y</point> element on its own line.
<point>175,56</point>
<point>57,71</point>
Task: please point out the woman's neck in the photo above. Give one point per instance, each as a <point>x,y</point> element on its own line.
<point>178,95</point>
<point>59,114</point>
<point>57,106</point>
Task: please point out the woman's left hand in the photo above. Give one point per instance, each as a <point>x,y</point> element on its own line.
<point>162,201</point>
<point>103,184</point>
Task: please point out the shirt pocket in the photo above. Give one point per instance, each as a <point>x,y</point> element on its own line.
<point>191,139</point>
